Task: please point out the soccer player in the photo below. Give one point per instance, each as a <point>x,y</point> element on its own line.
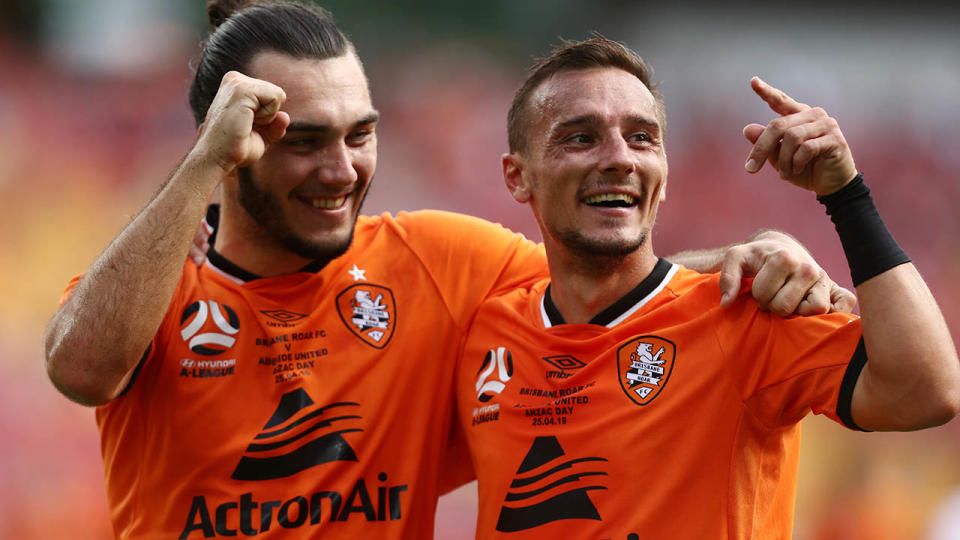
<point>300,382</point>
<point>619,398</point>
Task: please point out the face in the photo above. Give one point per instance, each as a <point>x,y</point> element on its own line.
<point>306,191</point>
<point>594,168</point>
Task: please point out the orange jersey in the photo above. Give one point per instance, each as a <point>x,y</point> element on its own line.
<point>316,404</point>
<point>669,417</point>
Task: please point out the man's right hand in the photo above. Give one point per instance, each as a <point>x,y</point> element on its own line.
<point>243,120</point>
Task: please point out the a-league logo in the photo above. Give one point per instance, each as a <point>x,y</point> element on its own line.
<point>501,360</point>
<point>209,342</point>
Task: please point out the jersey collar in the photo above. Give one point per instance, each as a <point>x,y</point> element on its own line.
<point>613,315</point>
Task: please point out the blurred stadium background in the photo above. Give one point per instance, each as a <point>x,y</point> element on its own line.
<point>93,116</point>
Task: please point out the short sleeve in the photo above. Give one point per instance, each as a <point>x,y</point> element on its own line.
<point>471,259</point>
<point>785,368</point>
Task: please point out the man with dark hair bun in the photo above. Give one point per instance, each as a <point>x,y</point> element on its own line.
<point>622,398</point>
<point>299,382</point>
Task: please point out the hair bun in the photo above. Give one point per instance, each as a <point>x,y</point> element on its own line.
<point>221,10</point>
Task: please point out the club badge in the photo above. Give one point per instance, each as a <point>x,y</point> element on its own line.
<point>369,311</point>
<point>644,365</point>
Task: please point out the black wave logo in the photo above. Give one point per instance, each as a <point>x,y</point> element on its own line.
<point>294,421</point>
<point>544,471</point>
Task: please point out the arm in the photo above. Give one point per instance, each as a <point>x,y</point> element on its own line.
<point>94,342</point>
<point>912,376</point>
<point>787,279</point>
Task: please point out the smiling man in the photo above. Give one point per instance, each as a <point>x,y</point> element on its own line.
<point>297,384</point>
<point>619,399</point>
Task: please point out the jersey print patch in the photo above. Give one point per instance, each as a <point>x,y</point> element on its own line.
<point>550,487</point>
<point>279,449</point>
<point>501,360</point>
<point>644,365</point>
<point>369,311</point>
<point>215,338</point>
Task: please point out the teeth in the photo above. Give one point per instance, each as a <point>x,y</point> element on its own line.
<point>327,203</point>
<point>609,197</point>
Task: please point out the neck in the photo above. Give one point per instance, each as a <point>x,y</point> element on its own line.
<point>245,243</point>
<point>582,286</point>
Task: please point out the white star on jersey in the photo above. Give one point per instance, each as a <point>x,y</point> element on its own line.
<point>357,274</point>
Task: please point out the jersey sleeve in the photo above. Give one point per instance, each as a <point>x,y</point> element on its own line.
<point>166,325</point>
<point>471,259</point>
<point>457,468</point>
<point>785,368</point>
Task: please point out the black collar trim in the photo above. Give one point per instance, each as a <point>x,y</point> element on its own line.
<point>648,288</point>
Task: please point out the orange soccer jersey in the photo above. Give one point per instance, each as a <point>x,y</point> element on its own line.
<point>669,417</point>
<point>311,405</point>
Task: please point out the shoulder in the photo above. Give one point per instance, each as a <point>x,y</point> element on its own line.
<point>690,284</point>
<point>435,222</point>
<point>438,230</point>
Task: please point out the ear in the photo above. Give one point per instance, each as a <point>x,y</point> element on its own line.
<point>666,175</point>
<point>513,177</point>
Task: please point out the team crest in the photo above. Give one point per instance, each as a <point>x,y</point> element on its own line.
<point>369,311</point>
<point>644,365</point>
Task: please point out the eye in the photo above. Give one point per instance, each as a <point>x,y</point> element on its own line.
<point>580,138</point>
<point>360,136</point>
<point>640,137</point>
<point>300,142</point>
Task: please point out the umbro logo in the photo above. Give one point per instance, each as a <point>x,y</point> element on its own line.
<point>547,472</point>
<point>283,315</point>
<point>279,449</point>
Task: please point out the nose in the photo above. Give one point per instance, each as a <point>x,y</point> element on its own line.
<point>616,156</point>
<point>335,165</point>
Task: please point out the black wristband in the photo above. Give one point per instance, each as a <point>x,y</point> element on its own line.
<point>868,245</point>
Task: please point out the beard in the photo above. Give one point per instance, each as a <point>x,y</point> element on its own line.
<point>590,248</point>
<point>267,211</point>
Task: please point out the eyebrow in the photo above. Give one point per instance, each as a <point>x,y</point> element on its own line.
<point>309,127</point>
<point>593,119</point>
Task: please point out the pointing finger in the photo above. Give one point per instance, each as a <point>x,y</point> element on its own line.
<point>777,99</point>
<point>752,132</point>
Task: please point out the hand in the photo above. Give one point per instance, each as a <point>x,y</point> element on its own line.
<point>200,245</point>
<point>804,144</point>
<point>787,280</point>
<point>242,121</point>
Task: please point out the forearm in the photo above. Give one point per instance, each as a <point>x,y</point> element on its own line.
<point>705,261</point>
<point>912,376</point>
<point>96,339</point>
<point>711,260</point>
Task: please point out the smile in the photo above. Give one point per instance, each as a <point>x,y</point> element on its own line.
<point>610,200</point>
<point>325,203</point>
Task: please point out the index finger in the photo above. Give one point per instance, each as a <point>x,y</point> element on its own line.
<point>777,99</point>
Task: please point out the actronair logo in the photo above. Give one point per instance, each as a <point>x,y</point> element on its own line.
<point>550,487</point>
<point>209,342</point>
<point>324,507</point>
<point>280,449</point>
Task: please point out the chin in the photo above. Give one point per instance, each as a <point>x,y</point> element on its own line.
<point>602,247</point>
<point>325,248</point>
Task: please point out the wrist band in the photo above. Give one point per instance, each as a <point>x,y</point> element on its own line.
<point>868,245</point>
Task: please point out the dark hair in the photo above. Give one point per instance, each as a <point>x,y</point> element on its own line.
<point>240,29</point>
<point>597,51</point>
